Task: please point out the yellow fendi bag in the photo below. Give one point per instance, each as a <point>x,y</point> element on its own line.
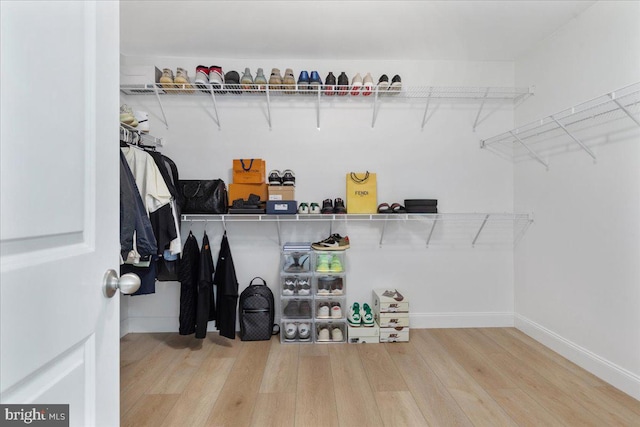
<point>362,193</point>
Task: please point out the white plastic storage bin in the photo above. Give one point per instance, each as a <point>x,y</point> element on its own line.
<point>329,308</point>
<point>296,262</point>
<point>296,331</point>
<point>297,308</point>
<point>334,285</point>
<point>330,332</point>
<point>295,285</point>
<point>327,262</point>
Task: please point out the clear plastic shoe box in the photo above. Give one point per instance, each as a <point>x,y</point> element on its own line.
<point>296,262</point>
<point>330,331</point>
<point>334,285</point>
<point>296,331</point>
<point>329,308</point>
<point>298,285</point>
<point>329,262</point>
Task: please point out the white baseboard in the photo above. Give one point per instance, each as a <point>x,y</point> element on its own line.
<point>461,320</point>
<point>158,324</point>
<point>598,366</point>
<point>124,327</point>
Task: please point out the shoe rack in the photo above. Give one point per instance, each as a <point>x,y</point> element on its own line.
<point>448,229</point>
<point>427,95</point>
<point>313,296</point>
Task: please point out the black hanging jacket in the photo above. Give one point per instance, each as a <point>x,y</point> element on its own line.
<point>188,275</point>
<point>206,307</point>
<point>227,291</point>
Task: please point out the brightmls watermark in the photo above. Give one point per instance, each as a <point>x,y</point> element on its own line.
<point>34,415</point>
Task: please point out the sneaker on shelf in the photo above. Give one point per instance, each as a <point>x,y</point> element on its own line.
<point>292,309</point>
<point>216,78</point>
<point>303,208</point>
<point>166,80</point>
<point>232,82</point>
<point>336,265</point>
<point>304,288</point>
<point>304,331</point>
<point>289,81</point>
<point>182,81</point>
<point>298,263</point>
<point>315,83</point>
<point>336,310</point>
<point>337,286</point>
<point>288,177</point>
<point>126,116</point>
<point>314,208</point>
<point>327,207</point>
<point>343,84</point>
<point>337,335</point>
<point>143,121</point>
<point>322,265</point>
<point>323,334</point>
<point>396,84</point>
<point>354,317</point>
<point>339,207</point>
<point>202,78</point>
<point>323,310</point>
<point>329,84</point>
<point>260,81</point>
<point>367,316</point>
<point>383,83</point>
<point>356,84</point>
<point>335,242</point>
<point>304,309</point>
<point>275,177</point>
<point>367,85</point>
<point>290,331</point>
<point>289,287</point>
<point>247,79</point>
<point>324,285</point>
<point>303,82</point>
<point>275,81</point>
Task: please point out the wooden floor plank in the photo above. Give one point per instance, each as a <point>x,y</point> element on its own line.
<point>473,399</point>
<point>313,350</point>
<point>236,400</point>
<point>399,409</point>
<point>380,369</point>
<point>479,341</point>
<point>136,346</point>
<point>274,410</point>
<point>354,398</point>
<point>523,408</point>
<point>281,372</point>
<point>315,395</point>
<point>196,402</point>
<point>433,399</point>
<point>150,410</point>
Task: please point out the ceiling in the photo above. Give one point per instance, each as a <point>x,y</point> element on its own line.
<point>384,30</point>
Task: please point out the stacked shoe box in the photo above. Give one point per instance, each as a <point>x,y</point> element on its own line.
<point>364,335</point>
<point>248,179</point>
<point>296,299</point>
<point>391,311</point>
<point>329,293</point>
<point>282,199</point>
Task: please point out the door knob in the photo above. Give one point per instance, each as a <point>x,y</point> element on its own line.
<point>128,283</point>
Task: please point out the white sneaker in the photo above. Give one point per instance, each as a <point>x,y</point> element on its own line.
<point>304,331</point>
<point>323,311</point>
<point>303,287</point>
<point>354,318</point>
<point>303,208</point>
<point>323,335</point>
<point>356,84</point>
<point>336,310</point>
<point>290,331</point>
<point>143,121</point>
<point>336,335</point>
<point>289,287</point>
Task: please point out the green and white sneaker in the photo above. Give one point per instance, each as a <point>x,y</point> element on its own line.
<point>354,317</point>
<point>323,263</point>
<point>367,316</point>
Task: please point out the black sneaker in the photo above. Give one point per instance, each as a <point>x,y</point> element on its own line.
<point>288,178</point>
<point>383,83</point>
<point>275,178</point>
<point>327,207</point>
<point>396,83</point>
<point>343,84</point>
<point>292,309</point>
<point>232,82</point>
<point>338,206</point>
<point>329,84</point>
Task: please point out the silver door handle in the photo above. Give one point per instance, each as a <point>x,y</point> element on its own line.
<point>128,283</point>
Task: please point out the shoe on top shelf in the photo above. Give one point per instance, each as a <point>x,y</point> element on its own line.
<point>260,80</point>
<point>232,82</point>
<point>143,121</point>
<point>182,81</point>
<point>329,84</point>
<point>315,83</point>
<point>367,85</point>
<point>275,81</point>
<point>356,84</point>
<point>275,177</point>
<point>289,81</point>
<point>288,177</point>
<point>335,242</point>
<point>166,80</point>
<point>343,84</point>
<point>127,117</point>
<point>383,83</point>
<point>396,84</point>
<point>216,77</point>
<point>202,78</point>
<point>247,79</point>
<point>303,82</point>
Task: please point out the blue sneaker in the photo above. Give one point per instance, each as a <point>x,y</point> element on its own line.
<point>315,81</point>
<point>303,82</point>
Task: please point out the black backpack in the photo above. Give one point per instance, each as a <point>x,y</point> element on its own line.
<point>257,311</point>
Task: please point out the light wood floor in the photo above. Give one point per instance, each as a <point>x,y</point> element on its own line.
<point>443,377</point>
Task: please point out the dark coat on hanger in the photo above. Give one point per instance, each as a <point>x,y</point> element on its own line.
<point>206,307</point>
<point>188,275</point>
<point>227,291</point>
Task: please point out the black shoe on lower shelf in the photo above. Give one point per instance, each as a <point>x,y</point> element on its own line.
<point>327,207</point>
<point>339,207</point>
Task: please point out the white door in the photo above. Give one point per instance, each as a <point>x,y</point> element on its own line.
<point>59,207</point>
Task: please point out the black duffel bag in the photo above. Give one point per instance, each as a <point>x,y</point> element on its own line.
<point>204,196</point>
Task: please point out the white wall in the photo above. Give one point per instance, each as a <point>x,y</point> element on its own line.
<point>577,273</point>
<point>447,286</point>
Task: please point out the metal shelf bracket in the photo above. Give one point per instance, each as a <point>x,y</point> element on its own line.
<point>484,222</point>
<point>533,153</point>
<point>166,123</point>
<point>580,143</point>
<point>484,99</point>
<point>215,109</point>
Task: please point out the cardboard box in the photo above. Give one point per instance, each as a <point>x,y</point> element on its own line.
<point>394,334</point>
<point>392,320</point>
<point>281,207</point>
<point>242,191</point>
<point>362,335</point>
<point>389,304</point>
<point>282,192</point>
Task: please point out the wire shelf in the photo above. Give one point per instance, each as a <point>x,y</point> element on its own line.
<point>135,136</point>
<point>542,136</point>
